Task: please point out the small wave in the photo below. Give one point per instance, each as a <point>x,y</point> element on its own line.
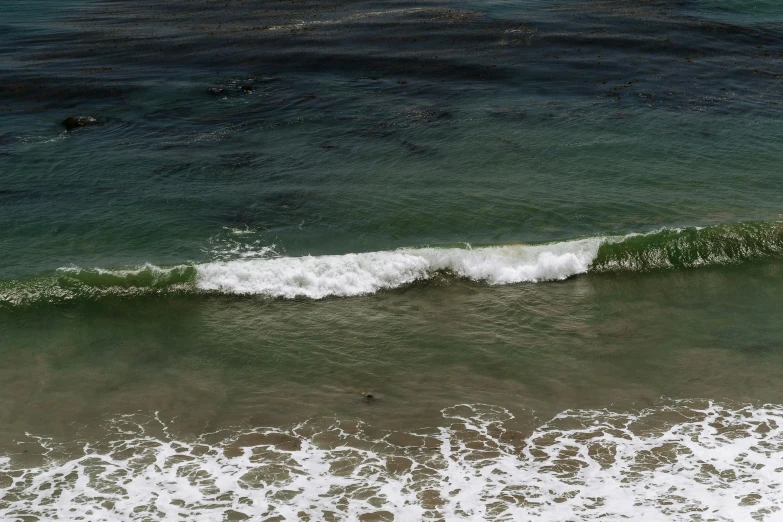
<point>252,269</point>
<point>357,274</point>
<point>682,460</point>
<point>74,283</point>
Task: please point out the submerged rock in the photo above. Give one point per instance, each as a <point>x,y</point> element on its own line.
<point>215,91</point>
<point>74,122</point>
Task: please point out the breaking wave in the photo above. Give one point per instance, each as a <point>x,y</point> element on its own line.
<point>352,274</point>
<point>681,460</point>
<point>356,274</point>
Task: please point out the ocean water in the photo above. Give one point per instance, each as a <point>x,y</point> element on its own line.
<point>405,261</point>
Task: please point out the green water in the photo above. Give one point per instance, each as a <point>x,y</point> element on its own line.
<point>587,342</point>
<point>540,210</point>
<point>396,177</point>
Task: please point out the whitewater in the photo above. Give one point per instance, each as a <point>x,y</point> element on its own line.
<point>680,460</point>
<point>262,271</point>
<point>355,274</point>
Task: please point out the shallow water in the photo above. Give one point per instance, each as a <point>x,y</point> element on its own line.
<point>446,261</point>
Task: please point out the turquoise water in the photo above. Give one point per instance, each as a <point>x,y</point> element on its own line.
<point>733,11</point>
<point>441,261</point>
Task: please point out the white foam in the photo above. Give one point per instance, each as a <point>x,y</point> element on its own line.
<point>355,274</point>
<point>159,274</point>
<point>681,461</point>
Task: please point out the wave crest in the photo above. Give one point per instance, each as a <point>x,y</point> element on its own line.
<point>146,276</point>
<point>355,274</point>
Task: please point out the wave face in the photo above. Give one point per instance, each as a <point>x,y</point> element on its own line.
<point>728,244</point>
<point>678,461</point>
<point>147,276</point>
<point>317,277</point>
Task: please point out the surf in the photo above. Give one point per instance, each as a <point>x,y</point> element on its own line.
<point>676,460</point>
<point>353,274</point>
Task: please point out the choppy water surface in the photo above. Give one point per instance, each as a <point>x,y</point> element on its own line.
<point>391,261</point>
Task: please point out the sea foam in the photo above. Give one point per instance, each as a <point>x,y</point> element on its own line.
<point>355,274</point>
<point>679,461</point>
